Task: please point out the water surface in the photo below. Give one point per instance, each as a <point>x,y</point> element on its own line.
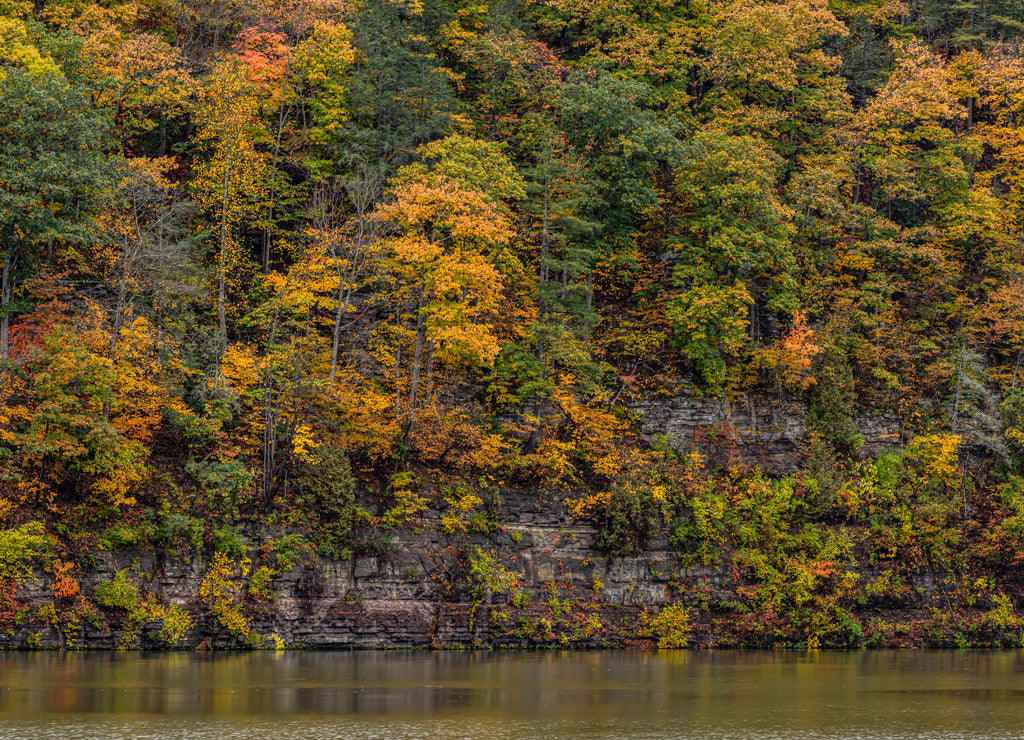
<point>395,694</point>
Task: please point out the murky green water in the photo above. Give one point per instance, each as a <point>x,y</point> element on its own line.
<point>300,695</point>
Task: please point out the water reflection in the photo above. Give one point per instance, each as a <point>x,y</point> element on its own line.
<point>933,694</point>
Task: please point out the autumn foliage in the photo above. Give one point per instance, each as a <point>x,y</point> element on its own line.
<point>467,240</point>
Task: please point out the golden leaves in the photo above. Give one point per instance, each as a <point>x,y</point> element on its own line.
<point>791,357</point>
<point>448,219</point>
<point>765,43</point>
<point>17,49</point>
<point>934,459</point>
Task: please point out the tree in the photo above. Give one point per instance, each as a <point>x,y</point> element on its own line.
<point>400,97</point>
<point>833,402</point>
<point>51,169</point>
<point>558,187</point>
<point>141,83</point>
<point>18,50</point>
<point>449,224</point>
<point>322,63</point>
<point>57,434</point>
<point>656,41</point>
<point>734,251</point>
<point>305,67</point>
<point>770,72</point>
<point>506,76</point>
<point>146,245</point>
<point>230,187</point>
<point>866,50</point>
<point>352,245</point>
<point>621,143</point>
<point>910,139</point>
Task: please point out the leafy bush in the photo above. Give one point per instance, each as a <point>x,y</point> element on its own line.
<point>331,487</point>
<point>64,584</point>
<point>19,546</point>
<point>221,591</point>
<point>127,537</point>
<point>117,593</point>
<point>228,541</point>
<point>223,480</point>
<point>833,401</point>
<point>330,483</point>
<point>464,513</point>
<point>259,584</point>
<point>176,624</point>
<point>488,574</point>
<point>628,519</point>
<point>408,503</point>
<point>183,528</point>
<point>671,626</point>
<point>289,548</point>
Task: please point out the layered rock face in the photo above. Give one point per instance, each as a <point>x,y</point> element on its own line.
<point>416,593</point>
<point>534,577</point>
<point>761,431</point>
<point>421,593</point>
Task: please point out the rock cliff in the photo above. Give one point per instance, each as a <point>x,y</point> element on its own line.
<point>534,578</point>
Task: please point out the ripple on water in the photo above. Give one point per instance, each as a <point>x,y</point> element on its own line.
<point>919,695</point>
<point>110,728</point>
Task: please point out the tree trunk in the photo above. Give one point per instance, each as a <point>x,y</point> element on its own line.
<point>959,390</point>
<point>345,294</point>
<point>398,372</point>
<point>222,267</point>
<point>271,409</point>
<point>115,330</point>
<point>6,293</point>
<point>342,309</point>
<point>542,277</point>
<point>282,113</point>
<point>414,380</point>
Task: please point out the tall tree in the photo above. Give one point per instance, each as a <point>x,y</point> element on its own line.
<point>449,224</point>
<point>400,96</point>
<point>51,170</point>
<point>231,186</point>
<point>735,256</point>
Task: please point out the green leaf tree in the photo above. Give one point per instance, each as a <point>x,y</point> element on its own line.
<point>51,170</point>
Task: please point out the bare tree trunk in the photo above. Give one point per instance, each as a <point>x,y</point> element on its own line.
<point>959,391</point>
<point>414,379</point>
<point>115,329</point>
<point>271,409</point>
<point>341,311</point>
<point>542,278</point>
<point>755,327</point>
<point>282,113</point>
<point>361,193</point>
<point>6,291</point>
<point>430,365</point>
<point>398,372</point>
<point>223,261</point>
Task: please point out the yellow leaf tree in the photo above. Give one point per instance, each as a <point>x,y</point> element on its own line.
<point>448,227</point>
<point>231,185</point>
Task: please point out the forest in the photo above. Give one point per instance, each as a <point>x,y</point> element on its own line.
<point>292,271</point>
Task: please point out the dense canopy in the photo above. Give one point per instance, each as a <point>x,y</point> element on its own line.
<point>425,244</point>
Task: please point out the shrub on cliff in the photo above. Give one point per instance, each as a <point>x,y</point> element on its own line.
<point>331,490</point>
<point>833,399</point>
<point>18,546</point>
<point>628,519</point>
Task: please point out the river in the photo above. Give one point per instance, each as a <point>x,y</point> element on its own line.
<point>436,695</point>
